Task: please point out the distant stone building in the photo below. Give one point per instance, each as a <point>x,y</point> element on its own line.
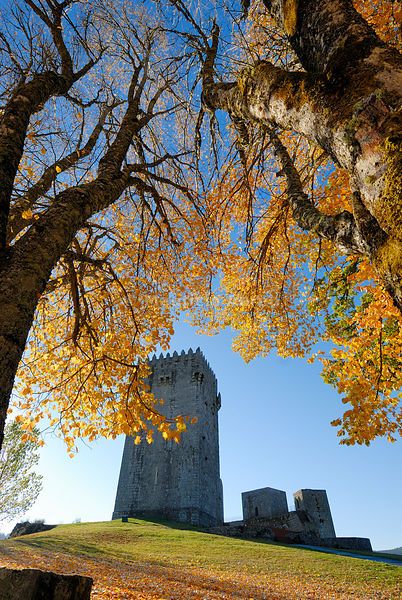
<point>268,507</point>
<point>266,515</point>
<point>180,482</point>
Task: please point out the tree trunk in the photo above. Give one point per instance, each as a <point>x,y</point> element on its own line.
<point>347,102</point>
<point>27,267</point>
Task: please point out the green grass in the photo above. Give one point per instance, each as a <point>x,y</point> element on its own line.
<point>170,545</point>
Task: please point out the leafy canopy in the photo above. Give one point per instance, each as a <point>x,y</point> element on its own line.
<point>207,230</point>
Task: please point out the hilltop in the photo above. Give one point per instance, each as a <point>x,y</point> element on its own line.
<point>397,551</point>
<point>149,560</point>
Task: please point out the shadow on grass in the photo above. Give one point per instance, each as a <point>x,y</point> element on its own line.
<point>163,522</point>
<point>58,545</point>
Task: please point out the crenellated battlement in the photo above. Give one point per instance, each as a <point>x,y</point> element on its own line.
<point>183,356</point>
<point>183,360</point>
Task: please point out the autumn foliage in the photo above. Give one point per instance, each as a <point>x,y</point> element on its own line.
<point>197,227</point>
<point>282,289</point>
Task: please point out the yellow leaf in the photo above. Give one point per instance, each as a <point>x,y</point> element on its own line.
<point>27,214</point>
<point>58,169</point>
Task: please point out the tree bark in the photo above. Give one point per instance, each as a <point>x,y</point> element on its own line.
<point>27,266</point>
<point>26,100</point>
<point>347,102</point>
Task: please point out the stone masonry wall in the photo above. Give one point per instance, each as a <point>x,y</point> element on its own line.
<point>264,503</point>
<point>169,480</point>
<point>315,504</point>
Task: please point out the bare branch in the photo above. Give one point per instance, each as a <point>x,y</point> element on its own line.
<point>16,221</point>
<point>340,229</point>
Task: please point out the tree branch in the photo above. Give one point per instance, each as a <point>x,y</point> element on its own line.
<point>16,221</point>
<point>341,229</point>
<point>328,36</point>
<point>27,99</point>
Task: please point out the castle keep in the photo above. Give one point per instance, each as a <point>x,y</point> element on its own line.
<point>169,480</point>
<point>181,482</point>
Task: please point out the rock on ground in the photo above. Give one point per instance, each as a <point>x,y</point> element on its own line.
<point>32,584</point>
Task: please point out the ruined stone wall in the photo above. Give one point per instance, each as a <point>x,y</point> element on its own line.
<point>264,503</point>
<point>348,543</point>
<point>296,521</point>
<point>315,504</point>
<point>169,480</point>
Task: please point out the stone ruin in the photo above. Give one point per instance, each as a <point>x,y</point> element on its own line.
<point>181,482</point>
<point>26,528</point>
<point>266,515</point>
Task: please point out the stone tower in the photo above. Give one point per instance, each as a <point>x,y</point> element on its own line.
<point>315,504</point>
<point>174,481</point>
<point>264,503</point>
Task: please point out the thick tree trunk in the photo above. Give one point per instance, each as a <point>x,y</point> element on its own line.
<point>11,350</point>
<point>26,269</point>
<point>348,102</point>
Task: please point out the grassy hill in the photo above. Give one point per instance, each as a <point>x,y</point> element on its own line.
<point>144,560</point>
<point>393,551</point>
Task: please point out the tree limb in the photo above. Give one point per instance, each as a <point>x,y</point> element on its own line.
<point>16,221</point>
<point>341,229</point>
<point>27,99</point>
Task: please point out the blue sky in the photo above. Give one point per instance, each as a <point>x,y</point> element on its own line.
<point>274,431</point>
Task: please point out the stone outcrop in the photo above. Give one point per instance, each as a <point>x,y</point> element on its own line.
<point>27,528</point>
<point>32,584</point>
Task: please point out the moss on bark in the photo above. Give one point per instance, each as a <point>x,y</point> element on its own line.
<point>390,202</point>
<point>290,16</point>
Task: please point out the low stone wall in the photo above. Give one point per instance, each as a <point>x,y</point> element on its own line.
<point>32,584</point>
<point>295,520</point>
<point>243,530</point>
<point>348,543</point>
<point>289,529</point>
